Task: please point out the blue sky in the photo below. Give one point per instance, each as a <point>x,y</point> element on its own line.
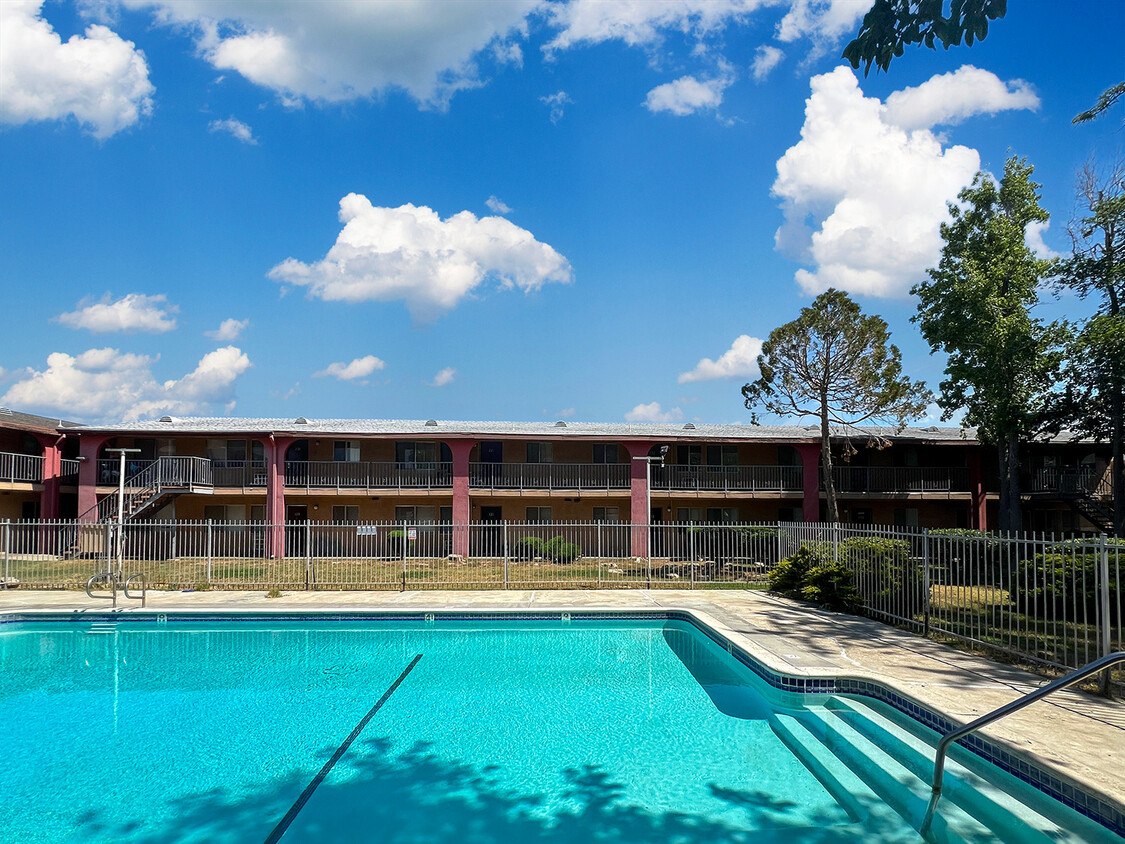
<point>283,209</point>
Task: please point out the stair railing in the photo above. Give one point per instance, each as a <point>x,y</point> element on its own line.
<point>1088,670</point>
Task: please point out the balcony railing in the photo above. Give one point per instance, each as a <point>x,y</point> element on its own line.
<point>549,476</point>
<point>69,469</point>
<point>327,474</point>
<point>894,479</point>
<point>1082,480</point>
<point>727,478</point>
<point>239,473</point>
<point>20,468</point>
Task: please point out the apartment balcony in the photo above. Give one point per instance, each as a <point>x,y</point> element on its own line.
<point>327,474</point>
<point>1085,480</point>
<point>890,480</point>
<point>239,474</point>
<point>679,477</point>
<point>565,477</point>
<point>20,468</point>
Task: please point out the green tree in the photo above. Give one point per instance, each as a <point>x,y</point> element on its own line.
<point>1002,362</point>
<point>836,364</point>
<point>1108,97</point>
<point>892,25</point>
<point>1095,369</point>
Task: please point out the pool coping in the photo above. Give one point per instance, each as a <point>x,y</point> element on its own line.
<point>763,663</point>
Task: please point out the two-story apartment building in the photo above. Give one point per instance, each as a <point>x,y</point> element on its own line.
<point>431,471</point>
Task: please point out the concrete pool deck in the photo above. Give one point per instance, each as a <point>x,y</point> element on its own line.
<point>1080,736</point>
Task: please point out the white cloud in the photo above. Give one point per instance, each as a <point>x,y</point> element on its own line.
<point>1033,239</point>
<point>821,21</point>
<point>235,128</point>
<point>565,413</point>
<point>132,312</point>
<point>653,413</point>
<point>228,330</point>
<point>640,23</point>
<point>953,97</point>
<point>497,206</point>
<point>765,60</point>
<point>875,193</point>
<point>99,78</point>
<point>688,95</point>
<point>444,377</point>
<point>350,49</point>
<point>739,361</point>
<point>102,384</point>
<point>410,254</point>
<point>358,368</point>
<point>556,103</point>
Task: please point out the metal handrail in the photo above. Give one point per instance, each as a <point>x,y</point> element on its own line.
<point>1088,670</point>
<point>144,588</point>
<point>105,575</point>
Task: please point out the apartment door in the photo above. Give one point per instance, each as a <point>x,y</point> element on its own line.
<point>295,517</point>
<point>491,534</point>
<point>491,452</point>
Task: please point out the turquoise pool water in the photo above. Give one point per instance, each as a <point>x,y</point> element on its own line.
<point>613,731</point>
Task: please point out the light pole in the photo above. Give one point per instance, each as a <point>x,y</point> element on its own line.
<point>648,459</point>
<point>121,505</point>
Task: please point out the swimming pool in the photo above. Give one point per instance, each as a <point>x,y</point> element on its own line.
<point>445,729</point>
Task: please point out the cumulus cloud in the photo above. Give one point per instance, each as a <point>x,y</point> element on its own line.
<point>356,369</point>
<point>556,102</point>
<point>739,361</point>
<point>444,377</point>
<point>1033,239</point>
<point>410,254</point>
<point>228,330</point>
<point>821,21</point>
<point>950,98</point>
<point>98,78</point>
<point>875,194</point>
<point>497,206</point>
<point>653,413</point>
<point>688,95</point>
<point>103,384</point>
<point>131,313</point>
<point>350,49</point>
<point>765,60</point>
<point>235,128</point>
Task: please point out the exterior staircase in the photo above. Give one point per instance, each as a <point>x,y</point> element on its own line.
<point>155,485</point>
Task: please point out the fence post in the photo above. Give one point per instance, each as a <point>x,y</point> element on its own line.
<point>1103,612</point>
<point>925,582</point>
<point>108,548</point>
<point>7,552</point>
<point>210,551</point>
<point>648,551</point>
<point>308,555</point>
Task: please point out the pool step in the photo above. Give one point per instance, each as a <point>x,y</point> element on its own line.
<point>894,782</point>
<point>103,627</point>
<point>965,783</point>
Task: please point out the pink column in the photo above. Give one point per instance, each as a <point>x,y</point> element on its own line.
<point>88,447</point>
<point>978,513</point>
<point>810,478</point>
<point>275,493</point>
<point>639,513</point>
<point>52,475</point>
<point>462,509</point>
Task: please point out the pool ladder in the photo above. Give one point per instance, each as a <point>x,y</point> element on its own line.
<point>114,581</point>
<point>1086,671</point>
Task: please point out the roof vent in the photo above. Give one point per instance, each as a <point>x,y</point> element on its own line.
<point>301,420</point>
<point>6,411</point>
<point>431,423</point>
<point>560,424</point>
<point>689,427</point>
<point>933,429</point>
<point>168,419</point>
<point>812,427</point>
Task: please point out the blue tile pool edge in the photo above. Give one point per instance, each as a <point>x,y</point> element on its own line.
<point>1084,801</point>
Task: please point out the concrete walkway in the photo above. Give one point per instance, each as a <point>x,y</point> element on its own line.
<point>1081,736</point>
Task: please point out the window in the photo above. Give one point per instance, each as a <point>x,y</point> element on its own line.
<point>689,514</point>
<point>905,516</point>
<point>606,514</point>
<point>225,512</point>
<point>345,451</point>
<point>790,514</point>
<point>416,515</point>
<point>235,451</point>
<point>722,455</point>
<point>689,455</point>
<point>257,513</point>
<point>345,514</point>
<point>540,453</point>
<point>539,515</point>
<point>418,454</point>
<point>722,514</point>
<point>788,456</point>
<point>605,453</point>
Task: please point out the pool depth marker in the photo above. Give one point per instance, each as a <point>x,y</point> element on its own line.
<point>283,824</point>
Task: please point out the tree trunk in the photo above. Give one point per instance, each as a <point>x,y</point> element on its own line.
<point>1117,468</point>
<point>833,514</point>
<point>1009,453</point>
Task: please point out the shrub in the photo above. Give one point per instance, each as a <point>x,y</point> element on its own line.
<point>788,577</point>
<point>717,542</point>
<point>833,586</point>
<point>528,548</point>
<point>887,578</point>
<point>1065,584</point>
<point>558,550</point>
